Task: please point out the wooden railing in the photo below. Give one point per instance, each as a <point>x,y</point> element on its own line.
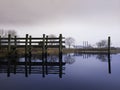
<point>30,42</point>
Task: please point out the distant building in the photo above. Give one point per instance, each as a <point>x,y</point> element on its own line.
<point>78,46</point>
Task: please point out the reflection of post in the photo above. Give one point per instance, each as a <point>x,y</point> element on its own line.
<point>60,70</point>
<point>60,66</point>
<point>26,73</point>
<point>8,69</point>
<point>15,64</point>
<point>109,64</point>
<point>43,68</point>
<point>30,64</point>
<point>46,67</point>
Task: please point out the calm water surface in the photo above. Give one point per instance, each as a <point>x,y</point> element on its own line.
<point>79,72</point>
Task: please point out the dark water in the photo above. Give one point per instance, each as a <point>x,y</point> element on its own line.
<point>74,72</point>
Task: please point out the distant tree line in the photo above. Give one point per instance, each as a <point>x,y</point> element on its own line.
<point>5,33</point>
<point>102,44</point>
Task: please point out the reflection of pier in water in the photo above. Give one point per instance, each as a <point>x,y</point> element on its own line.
<point>28,66</point>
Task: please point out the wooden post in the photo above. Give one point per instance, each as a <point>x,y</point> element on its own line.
<point>26,44</point>
<point>46,47</point>
<point>0,42</point>
<point>30,48</point>
<point>15,41</point>
<point>60,44</point>
<point>60,56</point>
<point>43,46</point>
<point>46,68</point>
<point>109,45</point>
<point>109,62</point>
<point>15,44</point>
<point>60,48</point>
<point>9,44</point>
<point>43,56</point>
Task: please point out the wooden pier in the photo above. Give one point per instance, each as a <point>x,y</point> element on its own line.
<point>28,43</point>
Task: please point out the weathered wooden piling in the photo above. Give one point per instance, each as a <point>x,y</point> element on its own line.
<point>15,45</point>
<point>26,44</point>
<point>9,44</point>
<point>60,44</point>
<point>15,41</point>
<point>30,43</point>
<point>60,47</point>
<point>46,47</point>
<point>0,42</point>
<point>43,46</point>
<point>109,41</point>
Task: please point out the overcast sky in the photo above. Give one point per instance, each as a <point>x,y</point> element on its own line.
<point>84,20</point>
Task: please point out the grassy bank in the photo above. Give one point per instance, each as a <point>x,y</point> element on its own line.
<point>93,50</point>
<point>21,51</point>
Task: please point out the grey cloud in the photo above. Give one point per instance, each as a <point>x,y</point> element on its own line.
<point>34,11</point>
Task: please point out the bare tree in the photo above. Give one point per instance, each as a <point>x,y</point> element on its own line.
<point>69,41</point>
<point>5,33</point>
<point>12,33</point>
<point>102,44</point>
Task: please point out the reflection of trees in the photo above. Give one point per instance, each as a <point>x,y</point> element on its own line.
<point>102,57</point>
<point>52,58</point>
<point>36,57</point>
<point>69,59</point>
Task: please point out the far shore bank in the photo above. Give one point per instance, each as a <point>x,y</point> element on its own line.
<point>92,50</point>
<point>21,51</point>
